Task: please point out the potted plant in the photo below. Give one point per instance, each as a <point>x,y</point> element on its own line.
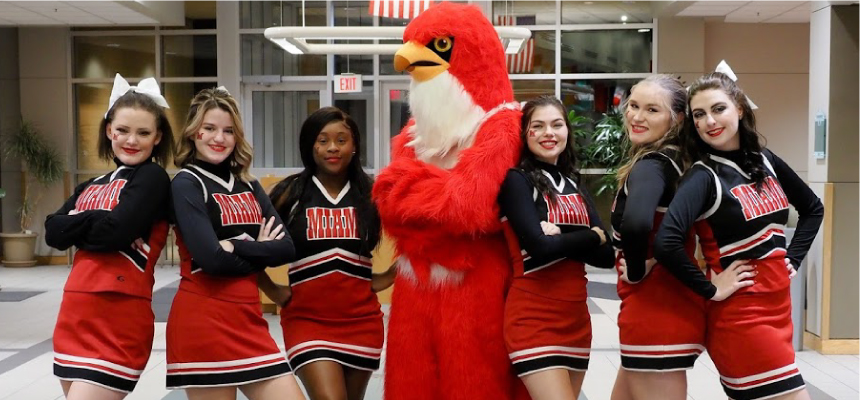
<point>43,166</point>
<point>605,147</point>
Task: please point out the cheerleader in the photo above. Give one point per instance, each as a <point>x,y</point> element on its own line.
<point>332,324</point>
<point>661,322</point>
<point>552,230</point>
<point>227,232</point>
<point>737,193</point>
<point>118,222</point>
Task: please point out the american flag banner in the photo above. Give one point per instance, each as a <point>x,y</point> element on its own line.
<point>522,62</point>
<point>403,9</point>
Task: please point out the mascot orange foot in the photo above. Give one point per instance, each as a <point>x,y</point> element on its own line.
<point>437,198</point>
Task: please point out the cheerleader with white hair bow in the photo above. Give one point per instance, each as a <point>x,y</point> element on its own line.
<point>118,222</point>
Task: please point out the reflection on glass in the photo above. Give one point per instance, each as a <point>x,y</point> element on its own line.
<point>359,106</point>
<point>537,56</point>
<point>198,15</point>
<point>399,110</point>
<point>524,13</point>
<point>593,98</point>
<point>189,56</point>
<point>91,101</point>
<point>605,12</point>
<point>606,51</point>
<point>352,13</point>
<point>262,57</point>
<point>179,96</point>
<point>355,64</point>
<point>276,121</point>
<point>265,14</point>
<point>527,90</point>
<point>104,56</point>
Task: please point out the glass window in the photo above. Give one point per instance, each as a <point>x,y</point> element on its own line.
<point>524,13</point>
<point>91,101</point>
<point>606,51</point>
<point>178,96</point>
<point>386,61</point>
<point>605,12</point>
<point>198,15</point>
<point>264,14</point>
<point>276,121</point>
<point>527,90</point>
<point>593,98</point>
<point>537,56</point>
<point>356,64</point>
<point>262,57</point>
<point>189,56</point>
<point>359,106</point>
<point>352,13</point>
<point>104,56</point>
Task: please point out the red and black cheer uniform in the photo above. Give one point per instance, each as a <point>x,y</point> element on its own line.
<point>105,325</point>
<point>216,333</point>
<point>333,314</point>
<point>749,334</point>
<point>547,324</point>
<point>662,322</point>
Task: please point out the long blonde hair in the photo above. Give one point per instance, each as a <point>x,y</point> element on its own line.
<point>675,101</point>
<point>209,99</point>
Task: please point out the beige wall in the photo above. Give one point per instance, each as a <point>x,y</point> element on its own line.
<point>45,98</point>
<point>776,81</point>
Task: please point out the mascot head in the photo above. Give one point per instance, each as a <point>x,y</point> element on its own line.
<point>458,71</point>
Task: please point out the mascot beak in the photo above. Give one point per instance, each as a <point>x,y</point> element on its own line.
<point>422,63</point>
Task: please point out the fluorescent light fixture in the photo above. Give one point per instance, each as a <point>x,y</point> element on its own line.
<point>643,30</point>
<point>294,39</point>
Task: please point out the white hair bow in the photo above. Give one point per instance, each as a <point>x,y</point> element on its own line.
<point>148,87</point>
<point>723,67</point>
<point>223,89</point>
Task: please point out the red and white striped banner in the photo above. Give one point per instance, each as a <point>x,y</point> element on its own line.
<point>522,62</point>
<point>403,9</point>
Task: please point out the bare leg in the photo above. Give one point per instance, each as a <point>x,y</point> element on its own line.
<point>214,393</point>
<point>576,378</point>
<point>88,391</point>
<point>658,385</point>
<point>281,388</point>
<point>324,380</point>
<point>356,382</point>
<point>621,390</point>
<point>798,395</point>
<point>552,384</point>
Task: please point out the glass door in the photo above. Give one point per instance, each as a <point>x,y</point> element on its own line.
<point>395,114</point>
<point>273,115</point>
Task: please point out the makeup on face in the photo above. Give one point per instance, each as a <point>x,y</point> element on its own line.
<point>547,134</point>
<point>215,139</point>
<point>716,117</point>
<point>334,148</point>
<point>133,134</point>
<point>647,116</point>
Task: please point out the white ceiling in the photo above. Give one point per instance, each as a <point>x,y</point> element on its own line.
<point>86,13</point>
<point>751,11</point>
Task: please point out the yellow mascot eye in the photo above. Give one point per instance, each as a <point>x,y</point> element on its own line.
<point>442,44</point>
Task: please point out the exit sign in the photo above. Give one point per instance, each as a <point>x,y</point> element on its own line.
<point>347,83</point>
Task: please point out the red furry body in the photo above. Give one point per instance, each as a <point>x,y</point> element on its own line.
<point>445,329</point>
<point>445,335</point>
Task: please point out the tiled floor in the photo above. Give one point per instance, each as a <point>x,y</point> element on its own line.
<point>27,321</point>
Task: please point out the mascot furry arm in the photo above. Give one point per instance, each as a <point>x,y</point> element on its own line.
<point>437,199</point>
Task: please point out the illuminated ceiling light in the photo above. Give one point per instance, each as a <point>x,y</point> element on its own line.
<point>294,39</point>
<point>643,30</point>
<point>623,18</point>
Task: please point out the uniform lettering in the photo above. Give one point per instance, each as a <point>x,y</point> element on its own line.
<point>331,223</point>
<point>239,209</point>
<point>569,209</point>
<point>100,197</point>
<point>755,203</point>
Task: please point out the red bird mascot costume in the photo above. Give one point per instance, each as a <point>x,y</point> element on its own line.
<point>437,198</point>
